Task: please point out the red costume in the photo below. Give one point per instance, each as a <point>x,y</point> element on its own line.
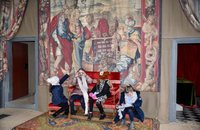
<point>65,41</point>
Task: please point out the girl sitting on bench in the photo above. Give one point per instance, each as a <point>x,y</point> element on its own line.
<point>80,92</point>
<point>99,93</point>
<point>130,103</point>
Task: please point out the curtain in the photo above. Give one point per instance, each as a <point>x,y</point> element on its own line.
<point>188,64</point>
<point>11,15</point>
<point>191,9</point>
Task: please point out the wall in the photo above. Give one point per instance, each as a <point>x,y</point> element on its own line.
<point>31,65</point>
<point>174,25</point>
<point>29,24</point>
<point>1,94</point>
<point>28,28</point>
<point>27,32</point>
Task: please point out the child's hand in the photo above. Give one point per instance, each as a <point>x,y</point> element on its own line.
<point>91,94</point>
<point>94,96</point>
<point>76,75</point>
<point>94,81</point>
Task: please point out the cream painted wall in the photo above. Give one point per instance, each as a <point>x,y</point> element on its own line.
<point>31,66</point>
<point>174,22</point>
<point>29,23</point>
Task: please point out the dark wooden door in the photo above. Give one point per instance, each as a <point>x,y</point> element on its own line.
<point>20,69</point>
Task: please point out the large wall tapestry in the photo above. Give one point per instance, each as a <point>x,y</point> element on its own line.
<point>115,35</point>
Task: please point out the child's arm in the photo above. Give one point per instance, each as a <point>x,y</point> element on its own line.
<point>122,99</point>
<point>105,90</point>
<point>62,80</point>
<point>89,80</point>
<point>91,94</point>
<point>138,102</point>
<point>93,89</point>
<point>73,81</point>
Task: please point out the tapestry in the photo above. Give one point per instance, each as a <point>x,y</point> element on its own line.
<point>43,122</point>
<point>11,16</point>
<point>97,35</point>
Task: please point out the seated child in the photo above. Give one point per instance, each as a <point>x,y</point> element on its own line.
<point>58,98</point>
<point>81,81</point>
<point>130,103</point>
<point>99,93</point>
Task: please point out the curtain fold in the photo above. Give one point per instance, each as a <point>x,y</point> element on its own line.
<point>11,15</point>
<point>189,11</point>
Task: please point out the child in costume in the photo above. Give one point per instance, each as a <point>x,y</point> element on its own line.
<point>130,103</point>
<point>58,98</point>
<point>99,93</point>
<point>81,81</point>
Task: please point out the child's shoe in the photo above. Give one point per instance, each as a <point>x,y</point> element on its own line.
<point>131,127</point>
<point>90,115</point>
<point>102,116</point>
<point>123,122</point>
<point>74,112</point>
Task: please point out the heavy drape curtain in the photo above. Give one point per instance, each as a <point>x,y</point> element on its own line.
<point>11,15</point>
<point>189,63</point>
<point>189,8</point>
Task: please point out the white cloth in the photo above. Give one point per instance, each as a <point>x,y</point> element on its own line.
<point>53,80</point>
<point>129,103</point>
<point>131,99</point>
<point>121,109</point>
<point>84,88</point>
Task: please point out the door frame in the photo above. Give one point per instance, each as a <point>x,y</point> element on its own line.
<point>173,73</point>
<point>7,82</point>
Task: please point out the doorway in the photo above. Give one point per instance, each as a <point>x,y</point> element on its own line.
<point>188,73</point>
<point>20,70</point>
<point>188,83</point>
<point>173,79</point>
<point>22,81</point>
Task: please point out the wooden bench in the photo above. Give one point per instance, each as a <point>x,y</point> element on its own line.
<point>110,103</point>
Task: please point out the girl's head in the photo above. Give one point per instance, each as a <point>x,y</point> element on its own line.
<point>129,89</point>
<point>103,75</point>
<point>53,80</point>
<point>81,72</point>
